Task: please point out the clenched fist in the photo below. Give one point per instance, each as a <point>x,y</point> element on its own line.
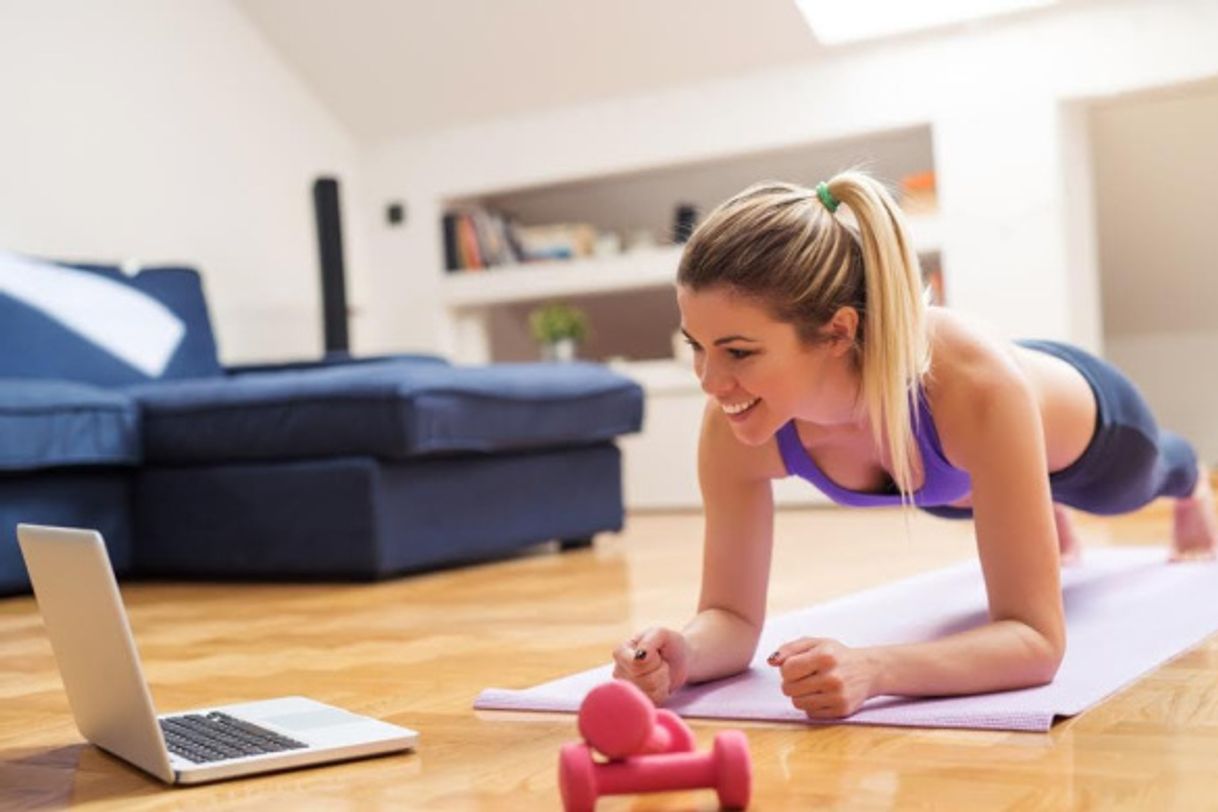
<point>824,678</point>
<point>655,660</point>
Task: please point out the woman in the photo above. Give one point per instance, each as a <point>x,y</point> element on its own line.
<point>821,360</point>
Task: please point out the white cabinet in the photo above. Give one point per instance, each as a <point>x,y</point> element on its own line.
<point>660,465</point>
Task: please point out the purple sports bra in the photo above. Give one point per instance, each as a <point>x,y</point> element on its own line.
<point>942,482</point>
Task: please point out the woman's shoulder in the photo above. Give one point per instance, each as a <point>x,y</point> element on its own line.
<point>966,357</point>
<point>970,370</point>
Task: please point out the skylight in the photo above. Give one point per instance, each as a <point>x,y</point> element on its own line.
<point>836,22</point>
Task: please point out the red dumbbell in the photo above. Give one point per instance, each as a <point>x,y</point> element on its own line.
<point>727,769</point>
<point>618,720</point>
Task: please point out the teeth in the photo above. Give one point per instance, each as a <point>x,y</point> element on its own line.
<point>737,408</point>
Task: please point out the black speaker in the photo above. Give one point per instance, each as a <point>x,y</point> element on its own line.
<point>333,273</point>
<point>685,218</point>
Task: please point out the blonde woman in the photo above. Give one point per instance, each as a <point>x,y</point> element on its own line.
<point>820,360</point>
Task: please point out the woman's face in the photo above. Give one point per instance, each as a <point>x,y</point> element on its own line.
<point>759,372</point>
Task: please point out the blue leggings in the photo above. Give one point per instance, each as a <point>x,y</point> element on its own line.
<point>1129,461</point>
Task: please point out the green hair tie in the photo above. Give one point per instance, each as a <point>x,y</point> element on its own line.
<point>826,197</point>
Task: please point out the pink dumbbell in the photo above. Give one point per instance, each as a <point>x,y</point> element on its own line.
<point>727,768</point>
<point>618,720</point>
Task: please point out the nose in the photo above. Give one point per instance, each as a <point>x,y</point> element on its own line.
<point>714,382</point>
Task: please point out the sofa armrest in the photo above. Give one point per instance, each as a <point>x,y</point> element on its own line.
<point>331,361</point>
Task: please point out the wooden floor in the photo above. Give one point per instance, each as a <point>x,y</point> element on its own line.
<point>417,651</point>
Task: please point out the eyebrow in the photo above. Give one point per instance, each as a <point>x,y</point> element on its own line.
<point>724,339</point>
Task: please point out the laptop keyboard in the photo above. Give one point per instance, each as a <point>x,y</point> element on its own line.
<point>217,736</point>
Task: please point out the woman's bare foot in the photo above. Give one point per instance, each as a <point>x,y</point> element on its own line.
<point>1068,544</point>
<point>1195,524</point>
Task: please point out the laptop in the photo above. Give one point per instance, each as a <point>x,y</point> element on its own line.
<point>78,596</point>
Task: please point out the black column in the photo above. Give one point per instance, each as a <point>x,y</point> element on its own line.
<point>333,275</point>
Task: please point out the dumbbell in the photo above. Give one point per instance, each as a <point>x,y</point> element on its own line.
<point>727,769</point>
<point>618,720</point>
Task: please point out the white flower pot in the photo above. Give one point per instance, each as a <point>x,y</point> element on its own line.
<point>561,350</point>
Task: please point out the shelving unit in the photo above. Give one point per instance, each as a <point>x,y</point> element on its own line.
<point>645,268</point>
<point>629,296</point>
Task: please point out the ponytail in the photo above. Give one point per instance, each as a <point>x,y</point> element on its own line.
<point>896,351</point>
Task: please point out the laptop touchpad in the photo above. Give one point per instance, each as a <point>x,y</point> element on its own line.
<point>313,719</point>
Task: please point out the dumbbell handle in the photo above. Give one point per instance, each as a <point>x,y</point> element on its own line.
<point>660,741</point>
<point>672,771</point>
<point>669,735</point>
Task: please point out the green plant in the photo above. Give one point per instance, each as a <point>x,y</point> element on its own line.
<point>556,321</point>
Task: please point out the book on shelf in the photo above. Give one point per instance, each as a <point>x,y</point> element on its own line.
<point>452,260</point>
<point>469,254</point>
<point>476,238</point>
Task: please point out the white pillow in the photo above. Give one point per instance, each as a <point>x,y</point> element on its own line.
<point>118,318</point>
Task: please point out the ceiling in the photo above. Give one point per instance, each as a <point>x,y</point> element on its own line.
<point>391,68</point>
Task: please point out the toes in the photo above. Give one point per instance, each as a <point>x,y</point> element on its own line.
<point>1185,556</point>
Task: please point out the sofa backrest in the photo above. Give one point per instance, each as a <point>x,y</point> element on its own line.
<point>39,338</point>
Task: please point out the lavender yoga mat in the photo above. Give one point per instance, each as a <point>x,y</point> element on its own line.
<point>1127,611</point>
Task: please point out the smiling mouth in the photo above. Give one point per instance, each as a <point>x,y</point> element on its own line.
<point>735,409</point>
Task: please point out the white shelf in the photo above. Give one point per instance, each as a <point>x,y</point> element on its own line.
<point>649,268</point>
<point>661,375</point>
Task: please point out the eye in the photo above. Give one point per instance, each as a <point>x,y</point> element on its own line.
<point>696,346</point>
<point>739,355</point>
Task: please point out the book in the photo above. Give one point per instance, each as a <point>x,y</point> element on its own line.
<point>452,260</point>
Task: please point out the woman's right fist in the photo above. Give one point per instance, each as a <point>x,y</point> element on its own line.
<point>655,660</point>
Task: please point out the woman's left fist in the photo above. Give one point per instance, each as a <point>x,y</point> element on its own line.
<point>824,678</point>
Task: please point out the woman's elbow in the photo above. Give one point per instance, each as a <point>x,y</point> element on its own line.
<point>1049,651</point>
<point>1043,649</point>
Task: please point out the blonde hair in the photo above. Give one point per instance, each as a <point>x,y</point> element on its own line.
<point>780,244</point>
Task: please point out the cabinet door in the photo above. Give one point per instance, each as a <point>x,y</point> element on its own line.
<point>660,465</point>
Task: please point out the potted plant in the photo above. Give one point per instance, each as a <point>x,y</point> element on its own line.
<point>558,328</point>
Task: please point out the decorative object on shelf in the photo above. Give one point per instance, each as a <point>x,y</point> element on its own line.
<point>608,244</point>
<point>918,194</point>
<point>641,239</point>
<point>558,241</point>
<point>684,219</point>
<point>558,328</point>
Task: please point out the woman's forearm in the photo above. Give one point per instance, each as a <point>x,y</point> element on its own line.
<point>1001,655</point>
<point>721,643</point>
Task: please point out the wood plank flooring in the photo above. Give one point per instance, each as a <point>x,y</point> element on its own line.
<point>416,651</point>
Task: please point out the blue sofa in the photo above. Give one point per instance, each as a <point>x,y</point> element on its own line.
<point>338,469</point>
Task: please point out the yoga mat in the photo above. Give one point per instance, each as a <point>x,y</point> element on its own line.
<point>1127,611</point>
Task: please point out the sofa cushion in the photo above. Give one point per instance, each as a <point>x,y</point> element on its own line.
<point>52,424</point>
<point>394,409</point>
<point>95,324</point>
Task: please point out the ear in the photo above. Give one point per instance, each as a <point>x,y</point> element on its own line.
<point>843,329</point>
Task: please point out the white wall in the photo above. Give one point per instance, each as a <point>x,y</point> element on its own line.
<point>1002,101</point>
<point>1156,162</point>
<point>169,131</point>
